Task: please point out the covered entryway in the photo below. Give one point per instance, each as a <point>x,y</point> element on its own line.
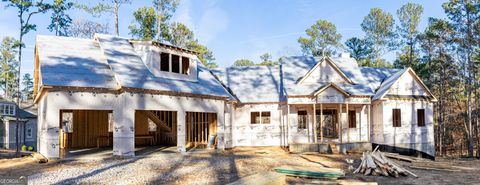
<point>155,128</point>
<point>201,129</point>
<point>85,129</point>
<point>329,125</point>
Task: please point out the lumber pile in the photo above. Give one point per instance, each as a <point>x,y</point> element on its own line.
<point>39,157</point>
<point>376,163</point>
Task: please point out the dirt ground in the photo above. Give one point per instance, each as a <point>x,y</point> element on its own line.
<point>213,167</point>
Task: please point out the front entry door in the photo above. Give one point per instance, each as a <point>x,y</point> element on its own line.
<point>330,129</point>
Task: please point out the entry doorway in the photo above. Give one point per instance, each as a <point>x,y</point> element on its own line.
<point>330,123</point>
<point>201,129</point>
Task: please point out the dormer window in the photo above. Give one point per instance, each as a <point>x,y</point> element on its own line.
<point>7,109</point>
<point>174,63</point>
<point>185,65</point>
<point>165,62</point>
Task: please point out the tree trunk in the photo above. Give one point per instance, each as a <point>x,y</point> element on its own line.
<point>411,53</point>
<point>17,131</point>
<point>117,5</point>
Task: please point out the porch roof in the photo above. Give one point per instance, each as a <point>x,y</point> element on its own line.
<point>295,67</point>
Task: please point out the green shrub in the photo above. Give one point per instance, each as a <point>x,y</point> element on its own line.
<point>24,148</point>
<point>30,148</point>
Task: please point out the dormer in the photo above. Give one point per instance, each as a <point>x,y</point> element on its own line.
<point>165,61</point>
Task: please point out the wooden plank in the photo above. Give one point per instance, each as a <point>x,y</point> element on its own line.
<point>433,168</point>
<point>400,157</point>
<point>329,173</point>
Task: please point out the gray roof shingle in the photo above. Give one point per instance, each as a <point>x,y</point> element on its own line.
<point>66,61</point>
<point>294,68</point>
<point>111,62</point>
<point>252,84</point>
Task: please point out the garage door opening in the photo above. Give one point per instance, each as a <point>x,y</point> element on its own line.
<point>201,129</point>
<point>155,128</point>
<point>84,131</point>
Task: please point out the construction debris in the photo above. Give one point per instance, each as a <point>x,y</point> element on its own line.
<point>403,157</point>
<point>39,157</point>
<point>324,173</point>
<point>376,163</point>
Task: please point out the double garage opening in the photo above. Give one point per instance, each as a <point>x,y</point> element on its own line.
<point>91,131</point>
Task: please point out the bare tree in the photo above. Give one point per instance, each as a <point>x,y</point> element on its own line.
<point>85,28</point>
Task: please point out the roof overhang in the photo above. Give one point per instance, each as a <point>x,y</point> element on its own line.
<point>45,89</point>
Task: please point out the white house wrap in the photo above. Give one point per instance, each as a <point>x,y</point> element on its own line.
<point>137,83</point>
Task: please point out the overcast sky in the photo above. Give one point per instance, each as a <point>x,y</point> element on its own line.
<point>238,29</point>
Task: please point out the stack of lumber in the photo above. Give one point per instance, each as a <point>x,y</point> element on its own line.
<point>375,163</point>
<point>310,172</point>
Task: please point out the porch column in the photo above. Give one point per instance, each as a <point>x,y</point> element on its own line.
<point>288,123</point>
<point>315,124</point>
<point>124,127</point>
<point>321,123</point>
<point>368,122</point>
<point>348,123</point>
<point>181,131</point>
<point>360,117</point>
<point>340,122</point>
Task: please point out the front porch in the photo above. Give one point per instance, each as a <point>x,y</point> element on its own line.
<point>331,117</point>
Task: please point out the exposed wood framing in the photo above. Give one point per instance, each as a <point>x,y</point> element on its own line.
<point>166,130</point>
<point>88,125</point>
<point>200,126</point>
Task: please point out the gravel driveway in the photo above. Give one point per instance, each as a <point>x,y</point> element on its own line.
<point>209,167</point>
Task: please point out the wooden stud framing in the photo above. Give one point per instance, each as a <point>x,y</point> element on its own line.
<point>200,126</point>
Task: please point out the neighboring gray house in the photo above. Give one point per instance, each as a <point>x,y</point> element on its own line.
<point>27,126</point>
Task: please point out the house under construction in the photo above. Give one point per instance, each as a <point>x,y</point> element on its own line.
<point>114,92</point>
